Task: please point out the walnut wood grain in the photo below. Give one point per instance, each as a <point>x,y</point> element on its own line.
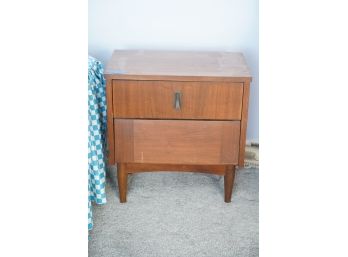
<point>122,179</point>
<point>199,100</point>
<point>124,141</point>
<point>206,134</point>
<point>123,169</point>
<point>228,182</point>
<point>151,167</point>
<point>243,126</point>
<point>176,65</point>
<point>110,123</point>
<point>177,141</point>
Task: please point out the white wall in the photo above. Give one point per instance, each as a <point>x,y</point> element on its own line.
<point>230,25</point>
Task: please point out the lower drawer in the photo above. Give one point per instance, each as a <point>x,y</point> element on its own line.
<point>176,141</point>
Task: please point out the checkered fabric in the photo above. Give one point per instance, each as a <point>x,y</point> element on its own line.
<point>96,136</point>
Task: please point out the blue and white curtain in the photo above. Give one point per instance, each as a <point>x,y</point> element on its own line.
<point>96,136</point>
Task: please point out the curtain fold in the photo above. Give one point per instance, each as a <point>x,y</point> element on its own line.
<point>96,136</point>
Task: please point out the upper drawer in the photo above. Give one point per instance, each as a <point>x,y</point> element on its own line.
<point>177,100</point>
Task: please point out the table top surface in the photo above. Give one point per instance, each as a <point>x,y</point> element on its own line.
<point>178,63</point>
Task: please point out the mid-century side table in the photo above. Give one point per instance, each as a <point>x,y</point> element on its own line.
<point>177,111</point>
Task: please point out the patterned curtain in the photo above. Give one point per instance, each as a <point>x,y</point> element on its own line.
<point>96,136</point>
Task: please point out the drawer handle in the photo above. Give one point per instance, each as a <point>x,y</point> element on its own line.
<point>177,100</point>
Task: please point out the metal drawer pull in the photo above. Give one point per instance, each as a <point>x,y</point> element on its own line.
<point>177,100</point>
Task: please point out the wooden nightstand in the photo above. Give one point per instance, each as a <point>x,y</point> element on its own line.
<point>177,111</point>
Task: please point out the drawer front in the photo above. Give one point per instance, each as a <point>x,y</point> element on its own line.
<point>177,141</point>
<point>177,100</point>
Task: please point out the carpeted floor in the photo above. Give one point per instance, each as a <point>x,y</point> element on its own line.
<point>178,215</point>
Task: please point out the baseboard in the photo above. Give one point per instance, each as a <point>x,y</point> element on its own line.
<point>251,142</point>
<point>251,155</point>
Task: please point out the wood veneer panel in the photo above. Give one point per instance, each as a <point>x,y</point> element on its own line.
<point>199,100</point>
<point>110,123</point>
<point>124,140</point>
<point>177,142</point>
<point>177,65</point>
<point>151,167</point>
<point>243,125</point>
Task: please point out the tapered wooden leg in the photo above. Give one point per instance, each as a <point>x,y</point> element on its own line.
<point>229,179</point>
<point>122,176</point>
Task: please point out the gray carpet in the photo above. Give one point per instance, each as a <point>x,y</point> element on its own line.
<point>178,215</point>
